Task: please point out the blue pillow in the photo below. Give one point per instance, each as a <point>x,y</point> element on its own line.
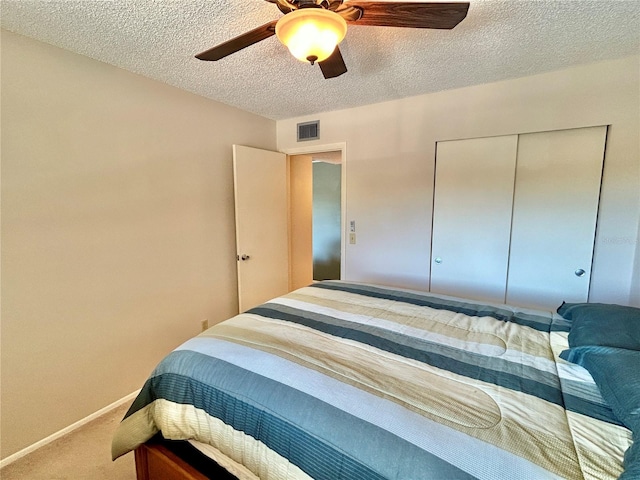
<point>602,324</point>
<point>632,460</point>
<point>617,373</point>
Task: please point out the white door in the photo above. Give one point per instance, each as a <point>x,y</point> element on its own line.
<point>554,216</point>
<point>260,186</point>
<point>472,217</point>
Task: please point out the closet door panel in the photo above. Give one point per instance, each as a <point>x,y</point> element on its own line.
<point>472,217</point>
<point>557,191</point>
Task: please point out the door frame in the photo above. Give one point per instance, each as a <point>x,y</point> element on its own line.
<point>329,147</point>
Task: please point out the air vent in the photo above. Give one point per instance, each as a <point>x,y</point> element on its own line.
<point>309,131</point>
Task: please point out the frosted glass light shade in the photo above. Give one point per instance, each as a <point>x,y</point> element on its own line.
<point>311,34</point>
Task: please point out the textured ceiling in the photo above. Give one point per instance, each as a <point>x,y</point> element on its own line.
<point>497,40</point>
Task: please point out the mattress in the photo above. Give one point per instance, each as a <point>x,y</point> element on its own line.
<point>341,380</point>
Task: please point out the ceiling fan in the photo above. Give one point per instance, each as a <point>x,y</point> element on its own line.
<point>312,29</point>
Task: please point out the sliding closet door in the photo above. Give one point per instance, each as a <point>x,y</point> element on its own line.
<point>472,217</point>
<point>554,216</point>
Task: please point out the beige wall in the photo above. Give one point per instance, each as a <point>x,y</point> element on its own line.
<point>117,230</point>
<point>391,151</point>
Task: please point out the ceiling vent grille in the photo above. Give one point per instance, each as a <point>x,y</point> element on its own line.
<point>309,131</point>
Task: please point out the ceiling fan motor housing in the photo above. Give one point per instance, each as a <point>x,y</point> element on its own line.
<point>310,4</point>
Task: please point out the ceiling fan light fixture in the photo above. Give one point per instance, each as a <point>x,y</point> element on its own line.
<point>311,34</point>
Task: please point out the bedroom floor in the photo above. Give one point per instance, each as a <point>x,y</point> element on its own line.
<point>82,454</point>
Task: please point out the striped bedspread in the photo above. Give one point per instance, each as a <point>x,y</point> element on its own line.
<point>348,381</point>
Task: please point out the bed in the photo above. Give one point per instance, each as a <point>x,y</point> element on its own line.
<point>342,380</point>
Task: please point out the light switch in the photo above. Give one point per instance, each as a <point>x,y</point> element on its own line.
<point>352,238</point>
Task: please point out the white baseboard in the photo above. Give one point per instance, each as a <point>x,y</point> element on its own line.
<point>41,443</point>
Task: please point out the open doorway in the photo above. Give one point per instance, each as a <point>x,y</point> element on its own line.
<point>326,215</point>
<point>316,211</point>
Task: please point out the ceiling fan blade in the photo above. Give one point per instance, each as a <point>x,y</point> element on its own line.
<point>285,6</point>
<point>412,15</point>
<point>333,5</point>
<point>334,65</point>
<point>235,44</point>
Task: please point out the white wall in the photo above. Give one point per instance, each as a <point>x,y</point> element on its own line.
<point>117,230</point>
<point>391,151</point>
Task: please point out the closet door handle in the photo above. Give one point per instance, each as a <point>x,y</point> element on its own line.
<point>438,260</point>
<point>580,272</point>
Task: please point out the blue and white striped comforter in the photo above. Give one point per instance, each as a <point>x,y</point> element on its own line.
<point>347,381</point>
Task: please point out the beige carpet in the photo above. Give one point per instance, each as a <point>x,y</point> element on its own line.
<point>83,454</point>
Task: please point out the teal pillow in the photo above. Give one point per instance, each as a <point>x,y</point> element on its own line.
<point>602,324</point>
<point>616,371</point>
<point>632,460</point>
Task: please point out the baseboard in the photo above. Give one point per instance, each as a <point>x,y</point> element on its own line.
<point>60,433</point>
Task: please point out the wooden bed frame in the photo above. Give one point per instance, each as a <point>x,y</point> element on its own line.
<point>154,461</point>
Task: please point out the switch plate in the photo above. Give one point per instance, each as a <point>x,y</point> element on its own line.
<point>352,238</point>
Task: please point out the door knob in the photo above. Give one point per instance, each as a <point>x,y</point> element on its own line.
<point>438,260</point>
<point>579,272</point>
<point>244,257</point>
